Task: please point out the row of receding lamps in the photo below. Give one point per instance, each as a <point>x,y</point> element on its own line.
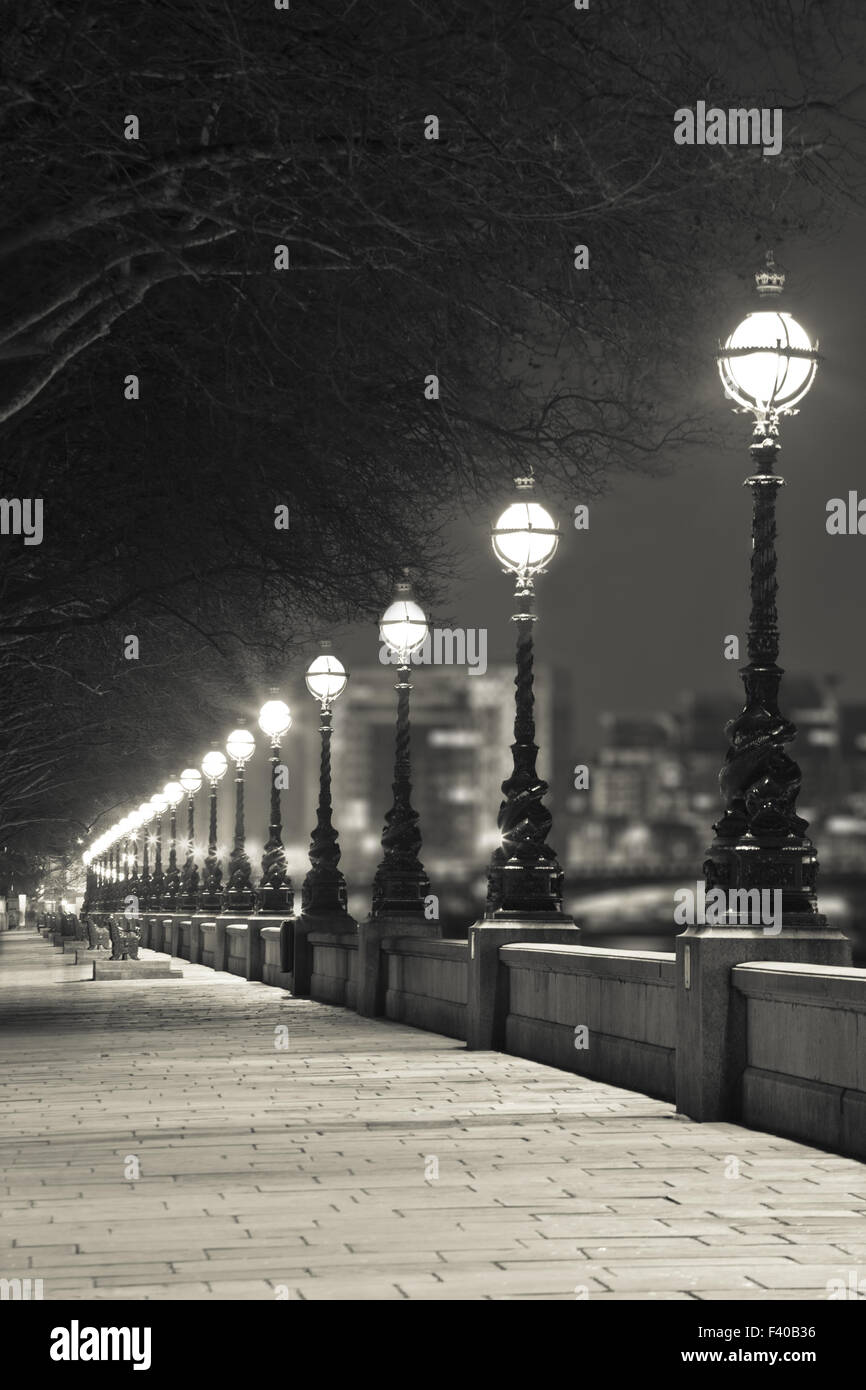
<point>767,365</point>
<point>525,539</point>
<point>326,679</point>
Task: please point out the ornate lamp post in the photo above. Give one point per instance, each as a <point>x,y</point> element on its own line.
<point>109,868</point>
<point>173,793</point>
<point>119,864</point>
<point>157,882</point>
<point>274,893</point>
<point>133,888</point>
<point>400,884</point>
<point>324,889</point>
<point>240,746</point>
<point>105,895</point>
<point>761,848</point>
<point>190,780</point>
<point>524,878</point>
<point>115,858</point>
<point>767,365</point>
<point>214,767</point>
<point>97,850</point>
<point>89,882</point>
<point>120,855</point>
<point>145,816</point>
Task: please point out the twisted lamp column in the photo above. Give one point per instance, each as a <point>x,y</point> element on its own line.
<point>144,886</point>
<point>524,874</point>
<point>89,877</point>
<point>172,878</point>
<point>105,896</point>
<point>212,874</point>
<point>157,882</point>
<point>761,841</point>
<point>400,884</point>
<point>239,893</point>
<point>275,893</point>
<point>324,888</point>
<point>133,888</point>
<point>114,881</point>
<point>189,878</point>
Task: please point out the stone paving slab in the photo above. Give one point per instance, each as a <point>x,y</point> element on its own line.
<point>156,1144</point>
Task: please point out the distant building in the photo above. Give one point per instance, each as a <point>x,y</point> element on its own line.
<point>635,769</point>
<point>655,779</point>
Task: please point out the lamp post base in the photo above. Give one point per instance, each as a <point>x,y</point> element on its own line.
<point>275,900</point>
<point>238,901</point>
<point>786,869</point>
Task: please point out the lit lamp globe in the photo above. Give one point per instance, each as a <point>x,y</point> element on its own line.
<point>190,780</point>
<point>326,677</point>
<point>768,363</point>
<point>240,746</point>
<point>526,537</point>
<point>146,813</point>
<point>403,628</point>
<point>86,857</point>
<point>275,719</point>
<point>158,803</point>
<point>214,765</point>
<point>172,791</point>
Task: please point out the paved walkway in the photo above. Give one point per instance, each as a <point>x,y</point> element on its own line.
<point>310,1171</point>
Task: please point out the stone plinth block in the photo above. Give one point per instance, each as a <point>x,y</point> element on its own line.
<point>372,962</point>
<point>711,1012</point>
<point>297,953</point>
<point>487,993</point>
<point>134,970</point>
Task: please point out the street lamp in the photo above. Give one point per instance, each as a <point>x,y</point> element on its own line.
<point>190,780</point>
<point>324,889</point>
<point>214,768</point>
<point>96,850</point>
<point>122,858</point>
<point>107,860</point>
<point>274,893</point>
<point>157,882</point>
<point>524,877</point>
<point>767,366</point>
<point>117,846</point>
<point>145,816</point>
<point>240,746</point>
<point>89,881</point>
<point>134,887</point>
<point>400,884</point>
<point>173,793</point>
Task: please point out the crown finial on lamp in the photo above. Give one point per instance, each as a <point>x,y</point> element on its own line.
<point>770,281</point>
<point>404,586</point>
